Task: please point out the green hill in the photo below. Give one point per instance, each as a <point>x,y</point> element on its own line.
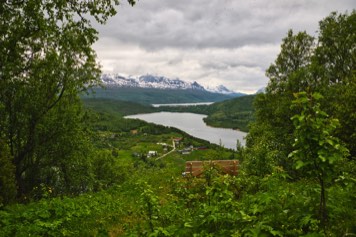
<point>235,113</point>
<point>116,107</point>
<point>157,96</point>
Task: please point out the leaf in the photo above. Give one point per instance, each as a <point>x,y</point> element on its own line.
<point>188,224</point>
<point>299,164</point>
<point>317,96</point>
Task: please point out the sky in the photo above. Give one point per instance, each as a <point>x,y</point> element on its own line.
<point>212,42</point>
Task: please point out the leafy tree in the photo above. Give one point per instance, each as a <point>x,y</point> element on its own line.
<point>317,151</point>
<point>270,137</point>
<point>335,60</point>
<point>325,65</point>
<point>287,74</point>
<point>46,59</point>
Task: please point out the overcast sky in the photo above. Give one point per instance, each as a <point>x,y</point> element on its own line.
<point>213,42</point>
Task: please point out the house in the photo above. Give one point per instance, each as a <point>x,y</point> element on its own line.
<point>151,153</point>
<point>177,139</point>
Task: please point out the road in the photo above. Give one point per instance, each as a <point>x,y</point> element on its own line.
<point>174,148</point>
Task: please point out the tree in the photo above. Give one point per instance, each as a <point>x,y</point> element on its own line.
<point>317,151</point>
<point>46,59</point>
<point>7,176</point>
<point>288,73</point>
<point>325,65</point>
<point>335,63</point>
<point>270,135</point>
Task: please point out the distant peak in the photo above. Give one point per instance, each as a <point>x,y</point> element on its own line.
<point>158,82</point>
<point>220,89</point>
<point>149,81</point>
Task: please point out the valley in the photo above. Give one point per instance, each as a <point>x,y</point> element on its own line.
<point>233,113</point>
<point>84,151</point>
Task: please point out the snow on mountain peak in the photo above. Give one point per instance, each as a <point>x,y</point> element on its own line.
<point>148,81</point>
<point>221,89</point>
<point>159,82</point>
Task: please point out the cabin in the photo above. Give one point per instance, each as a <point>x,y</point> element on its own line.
<point>196,168</point>
<point>177,140</point>
<point>152,153</point>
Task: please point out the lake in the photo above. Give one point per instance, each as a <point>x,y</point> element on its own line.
<point>181,104</point>
<point>194,125</point>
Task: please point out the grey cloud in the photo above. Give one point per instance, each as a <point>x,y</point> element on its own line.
<point>214,23</point>
<point>229,42</point>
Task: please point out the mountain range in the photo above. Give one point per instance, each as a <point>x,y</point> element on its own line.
<point>149,89</point>
<point>160,82</point>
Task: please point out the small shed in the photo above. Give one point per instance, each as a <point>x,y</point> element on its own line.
<point>134,132</point>
<point>196,168</point>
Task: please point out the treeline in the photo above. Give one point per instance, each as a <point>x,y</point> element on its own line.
<point>148,96</point>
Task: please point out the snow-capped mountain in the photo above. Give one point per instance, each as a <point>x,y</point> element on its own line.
<point>158,82</point>
<point>261,90</point>
<point>220,89</point>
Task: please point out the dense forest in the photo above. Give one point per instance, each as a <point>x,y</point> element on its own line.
<point>70,170</point>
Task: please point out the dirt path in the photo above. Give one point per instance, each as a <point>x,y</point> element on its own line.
<point>174,148</point>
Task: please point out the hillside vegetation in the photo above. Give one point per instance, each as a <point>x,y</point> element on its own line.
<point>121,108</point>
<point>148,96</point>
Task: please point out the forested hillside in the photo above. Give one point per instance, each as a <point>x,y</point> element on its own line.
<point>118,107</point>
<point>234,113</point>
<point>148,96</point>
<point>66,170</point>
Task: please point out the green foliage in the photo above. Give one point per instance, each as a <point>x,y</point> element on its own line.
<point>107,170</point>
<point>141,196</point>
<point>335,62</point>
<point>317,151</point>
<point>85,215</point>
<point>46,61</point>
<point>7,176</point>
<point>288,72</point>
<point>235,113</point>
<point>315,146</point>
<point>116,107</point>
<point>304,65</point>
<point>269,140</point>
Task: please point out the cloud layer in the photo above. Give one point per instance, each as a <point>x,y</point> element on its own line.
<point>229,42</point>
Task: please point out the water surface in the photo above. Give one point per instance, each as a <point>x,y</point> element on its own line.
<point>194,125</point>
<point>182,104</point>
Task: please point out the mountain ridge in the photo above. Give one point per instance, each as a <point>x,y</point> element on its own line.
<point>160,82</point>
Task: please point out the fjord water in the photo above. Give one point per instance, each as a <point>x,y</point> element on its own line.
<point>194,125</point>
